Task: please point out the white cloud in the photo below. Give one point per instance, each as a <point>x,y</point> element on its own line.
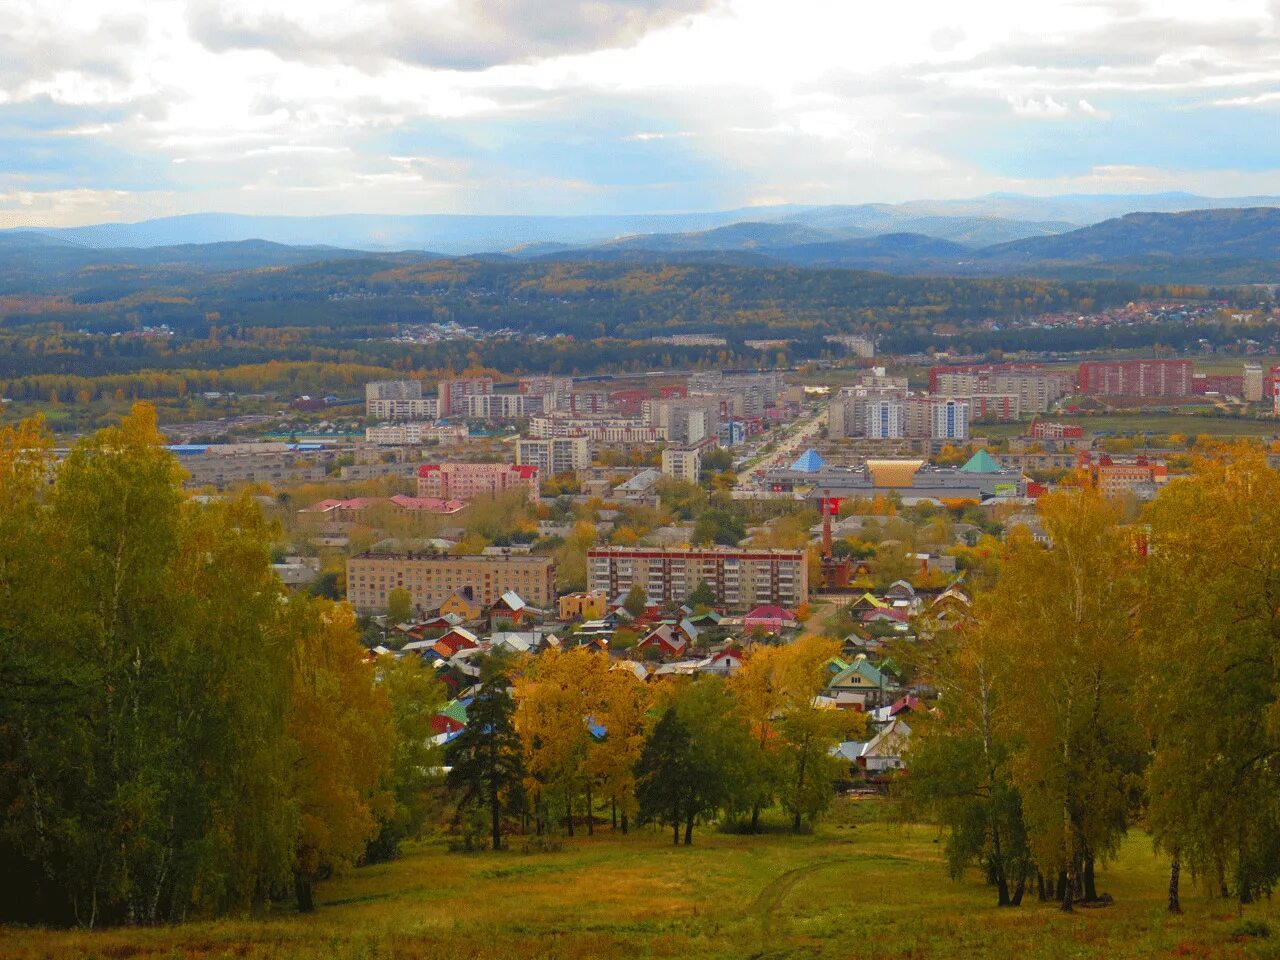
<point>806,100</point>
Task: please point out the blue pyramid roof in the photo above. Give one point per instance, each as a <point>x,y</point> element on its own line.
<point>809,462</point>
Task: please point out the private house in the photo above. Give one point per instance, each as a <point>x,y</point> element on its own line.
<point>510,608</point>
<point>725,663</point>
<point>459,605</point>
<point>883,753</point>
<point>457,638</point>
<point>665,638</point>
<point>862,677</point>
<point>770,619</point>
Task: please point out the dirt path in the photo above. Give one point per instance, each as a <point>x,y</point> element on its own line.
<point>771,897</point>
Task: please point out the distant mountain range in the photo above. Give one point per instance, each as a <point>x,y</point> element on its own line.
<point>975,223</point>
<point>1224,245</point>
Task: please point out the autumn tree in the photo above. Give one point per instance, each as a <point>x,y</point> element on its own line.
<point>960,755</point>
<point>1063,616</point>
<point>341,721</point>
<point>621,701</point>
<point>1210,679</point>
<point>416,696</point>
<point>399,606</point>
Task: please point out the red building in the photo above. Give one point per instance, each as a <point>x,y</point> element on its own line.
<point>1137,378</point>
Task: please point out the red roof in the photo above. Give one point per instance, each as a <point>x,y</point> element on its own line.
<point>770,612</point>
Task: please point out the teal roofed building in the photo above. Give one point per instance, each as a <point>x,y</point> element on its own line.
<point>809,462</point>
<point>982,462</point>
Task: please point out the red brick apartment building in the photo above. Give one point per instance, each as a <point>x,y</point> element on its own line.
<point>1137,378</point>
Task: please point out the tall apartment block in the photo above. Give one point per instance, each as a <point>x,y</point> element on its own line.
<point>466,481</point>
<point>453,393</point>
<point>1035,388</point>
<point>1137,378</point>
<point>398,400</point>
<point>740,578</point>
<point>554,454</point>
<point>432,578</point>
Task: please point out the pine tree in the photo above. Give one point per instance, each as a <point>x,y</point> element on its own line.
<point>487,758</point>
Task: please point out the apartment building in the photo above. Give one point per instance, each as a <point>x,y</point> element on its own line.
<point>686,420</point>
<point>398,400</point>
<point>1253,380</point>
<point>600,429</point>
<point>554,454</point>
<point>453,394</point>
<point>413,434</point>
<point>223,465</point>
<point>949,419</point>
<point>683,463</point>
<point>740,578</point>
<point>1036,389</point>
<point>554,391</point>
<point>431,579</point>
<point>994,407</point>
<point>1137,378</point>
<point>497,406</point>
<point>886,419</point>
<point>466,481</point>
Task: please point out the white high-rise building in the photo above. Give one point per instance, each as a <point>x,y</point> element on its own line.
<point>885,420</point>
<point>950,419</point>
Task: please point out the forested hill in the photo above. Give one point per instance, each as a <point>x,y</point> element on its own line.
<point>1252,233</point>
<point>1218,246</point>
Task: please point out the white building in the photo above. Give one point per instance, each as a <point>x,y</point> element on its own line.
<point>398,400</point>
<point>949,419</point>
<point>412,434</point>
<point>885,420</point>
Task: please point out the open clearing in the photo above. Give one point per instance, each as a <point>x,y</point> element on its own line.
<point>860,887</point>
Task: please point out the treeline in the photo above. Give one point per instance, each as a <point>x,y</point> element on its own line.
<point>1127,676</point>
<point>551,740</point>
<point>179,737</point>
<point>585,300</point>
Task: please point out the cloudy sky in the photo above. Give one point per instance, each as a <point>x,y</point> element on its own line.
<point>127,109</point>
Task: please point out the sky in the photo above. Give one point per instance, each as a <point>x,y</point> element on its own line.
<point>130,109</point>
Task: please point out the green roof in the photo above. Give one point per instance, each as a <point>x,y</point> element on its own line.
<point>981,462</point>
<point>455,711</point>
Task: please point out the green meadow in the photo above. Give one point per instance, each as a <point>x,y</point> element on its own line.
<point>861,886</point>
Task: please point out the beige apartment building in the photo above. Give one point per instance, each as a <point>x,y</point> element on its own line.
<point>433,578</point>
<point>741,578</point>
<point>554,455</point>
<point>683,463</point>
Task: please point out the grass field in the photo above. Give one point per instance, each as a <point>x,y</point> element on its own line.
<point>858,888</point>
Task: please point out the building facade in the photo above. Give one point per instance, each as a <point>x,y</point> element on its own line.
<point>1035,388</point>
<point>412,434</point>
<point>431,579</point>
<point>554,454</point>
<point>398,400</point>
<point>1137,378</point>
<point>453,394</point>
<point>740,578</point>
<point>466,481</point>
<point>683,463</point>
<point>885,419</point>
